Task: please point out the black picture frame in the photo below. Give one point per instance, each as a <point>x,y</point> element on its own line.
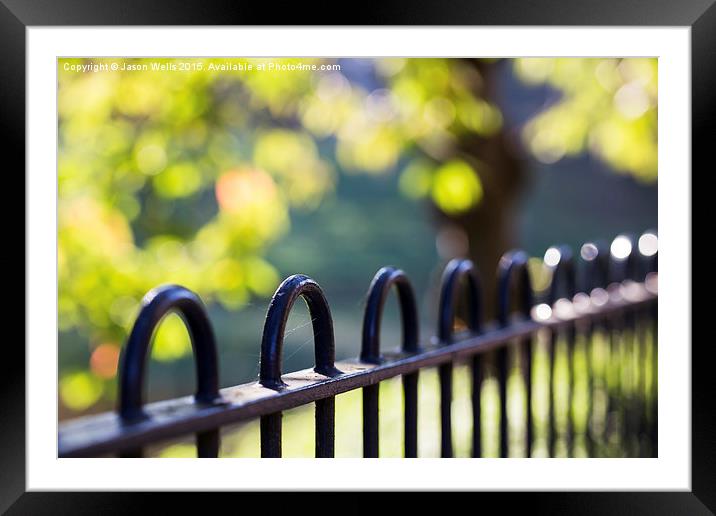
<point>17,15</point>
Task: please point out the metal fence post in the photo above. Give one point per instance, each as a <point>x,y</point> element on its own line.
<point>560,263</point>
<point>155,305</point>
<point>514,263</point>
<point>378,291</point>
<point>455,271</point>
<point>282,301</point>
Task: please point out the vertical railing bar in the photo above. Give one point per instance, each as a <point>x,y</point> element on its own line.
<point>588,352</point>
<point>607,330</point>
<point>325,427</point>
<point>642,365</point>
<point>654,430</point>
<point>503,370</point>
<point>569,358</point>
<point>631,361</point>
<point>445,374</point>
<point>605,336</point>
<point>555,431</point>
<point>528,359</point>
<point>410,395</point>
<point>629,391</point>
<point>370,421</point>
<point>552,418</point>
<point>271,436</point>
<point>599,435</point>
<point>208,444</point>
<point>616,408</point>
<point>476,370</point>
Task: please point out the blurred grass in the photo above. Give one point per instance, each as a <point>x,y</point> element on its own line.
<point>622,381</point>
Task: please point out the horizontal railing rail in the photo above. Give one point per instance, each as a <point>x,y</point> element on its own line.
<point>620,288</point>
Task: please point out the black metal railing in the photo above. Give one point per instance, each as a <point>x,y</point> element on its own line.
<point>617,298</point>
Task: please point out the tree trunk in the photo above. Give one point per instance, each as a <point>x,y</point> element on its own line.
<point>489,226</point>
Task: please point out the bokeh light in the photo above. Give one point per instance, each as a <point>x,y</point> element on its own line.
<point>648,244</point>
<point>552,257</point>
<point>104,360</point>
<point>621,247</point>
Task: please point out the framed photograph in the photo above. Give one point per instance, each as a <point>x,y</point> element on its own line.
<point>422,243</point>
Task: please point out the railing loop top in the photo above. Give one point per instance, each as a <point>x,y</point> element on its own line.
<point>513,263</point>
<point>155,305</point>
<point>455,270</point>
<point>378,291</point>
<point>560,262</point>
<point>279,308</point>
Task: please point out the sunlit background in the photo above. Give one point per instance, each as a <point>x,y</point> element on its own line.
<point>228,181</point>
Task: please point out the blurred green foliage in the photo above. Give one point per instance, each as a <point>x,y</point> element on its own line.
<point>187,177</point>
<point>608,106</point>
